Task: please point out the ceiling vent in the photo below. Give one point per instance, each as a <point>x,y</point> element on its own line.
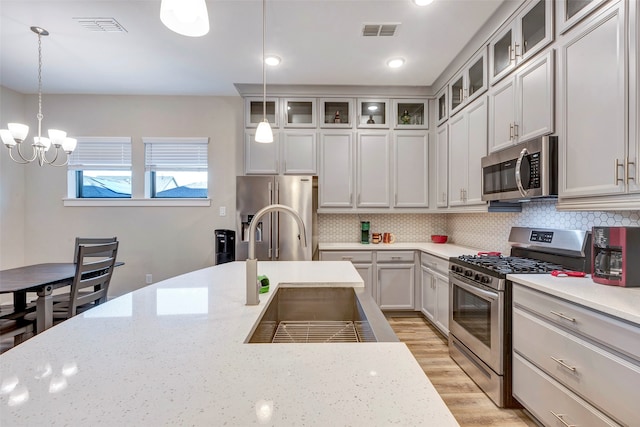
<point>379,30</point>
<point>101,25</point>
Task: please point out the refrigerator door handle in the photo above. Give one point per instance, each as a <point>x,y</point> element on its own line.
<point>276,235</point>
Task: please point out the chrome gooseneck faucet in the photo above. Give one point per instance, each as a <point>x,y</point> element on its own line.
<point>252,261</point>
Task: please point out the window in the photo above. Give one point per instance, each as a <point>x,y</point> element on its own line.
<point>176,167</point>
<point>100,168</point>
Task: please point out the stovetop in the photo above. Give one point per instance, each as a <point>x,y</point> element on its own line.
<point>498,265</point>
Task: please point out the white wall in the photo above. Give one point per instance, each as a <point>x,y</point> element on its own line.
<point>12,187</point>
<point>163,241</point>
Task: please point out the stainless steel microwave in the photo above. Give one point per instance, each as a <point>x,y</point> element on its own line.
<point>525,171</point>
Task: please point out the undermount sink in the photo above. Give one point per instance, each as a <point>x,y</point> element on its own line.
<point>321,314</point>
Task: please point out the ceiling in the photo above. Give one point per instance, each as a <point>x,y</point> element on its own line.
<point>320,43</point>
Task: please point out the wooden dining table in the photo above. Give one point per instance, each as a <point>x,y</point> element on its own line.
<point>41,279</point>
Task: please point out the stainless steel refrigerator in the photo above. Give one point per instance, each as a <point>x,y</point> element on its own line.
<point>276,233</point>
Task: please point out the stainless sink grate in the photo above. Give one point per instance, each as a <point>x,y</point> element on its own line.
<point>319,332</point>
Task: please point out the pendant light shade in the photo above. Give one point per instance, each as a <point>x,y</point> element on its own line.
<point>186,17</point>
<point>264,133</point>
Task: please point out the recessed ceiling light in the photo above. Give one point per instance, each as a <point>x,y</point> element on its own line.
<point>422,2</point>
<point>395,62</point>
<point>272,60</point>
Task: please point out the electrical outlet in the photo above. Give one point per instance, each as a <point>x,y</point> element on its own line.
<point>149,279</point>
<point>223,211</point>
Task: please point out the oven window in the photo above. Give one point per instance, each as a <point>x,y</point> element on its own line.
<point>473,314</point>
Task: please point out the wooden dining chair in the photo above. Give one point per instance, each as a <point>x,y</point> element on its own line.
<point>18,329</point>
<point>91,241</point>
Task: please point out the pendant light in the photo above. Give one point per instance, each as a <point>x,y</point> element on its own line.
<point>16,133</point>
<point>264,133</point>
<point>186,17</point>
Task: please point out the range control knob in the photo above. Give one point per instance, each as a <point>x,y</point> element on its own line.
<point>468,273</point>
<point>485,279</point>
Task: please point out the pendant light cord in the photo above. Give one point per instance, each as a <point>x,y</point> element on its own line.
<point>264,70</point>
<point>39,116</point>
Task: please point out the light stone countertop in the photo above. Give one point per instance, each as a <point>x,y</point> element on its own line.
<point>173,353</point>
<point>623,303</point>
<point>442,250</point>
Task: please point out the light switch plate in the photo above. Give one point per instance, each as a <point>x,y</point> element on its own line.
<point>223,211</point>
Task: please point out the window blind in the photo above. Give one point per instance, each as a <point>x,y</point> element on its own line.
<point>176,154</point>
<point>98,153</point>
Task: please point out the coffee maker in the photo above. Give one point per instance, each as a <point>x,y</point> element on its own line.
<point>364,232</point>
<point>615,253</point>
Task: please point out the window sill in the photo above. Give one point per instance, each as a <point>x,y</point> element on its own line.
<point>136,202</point>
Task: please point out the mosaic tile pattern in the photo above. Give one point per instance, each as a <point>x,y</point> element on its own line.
<point>486,231</point>
<point>406,227</point>
<point>490,231</point>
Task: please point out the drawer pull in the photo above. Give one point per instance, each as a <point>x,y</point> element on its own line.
<point>571,319</point>
<point>563,364</point>
<point>396,257</point>
<point>347,258</point>
<point>561,418</point>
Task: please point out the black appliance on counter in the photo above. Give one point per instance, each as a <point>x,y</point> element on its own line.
<point>225,246</point>
<point>480,300</point>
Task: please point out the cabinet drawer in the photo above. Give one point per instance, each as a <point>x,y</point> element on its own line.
<point>544,397</point>
<point>612,332</point>
<point>602,378</point>
<point>435,263</point>
<point>395,256</point>
<point>353,256</point>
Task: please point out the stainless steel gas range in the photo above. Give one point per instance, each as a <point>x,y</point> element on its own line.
<point>480,300</point>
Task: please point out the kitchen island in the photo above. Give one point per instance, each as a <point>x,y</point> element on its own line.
<point>173,353</point>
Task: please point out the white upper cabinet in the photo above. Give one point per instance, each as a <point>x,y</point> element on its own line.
<point>527,34</point>
<point>299,152</point>
<point>522,107</point>
<point>373,113</point>
<point>442,165</point>
<point>470,83</point>
<point>373,169</point>
<point>260,158</point>
<point>410,114</point>
<point>443,108</point>
<point>336,112</point>
<point>335,180</point>
<point>253,112</point>
<point>595,158</point>
<point>411,174</point>
<point>467,146</point>
<point>299,112</point>
<point>570,12</point>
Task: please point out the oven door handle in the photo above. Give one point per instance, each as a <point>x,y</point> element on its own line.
<point>523,153</point>
<point>475,290</point>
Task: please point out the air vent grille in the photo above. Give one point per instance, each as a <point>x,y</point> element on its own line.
<point>101,25</point>
<point>379,30</point>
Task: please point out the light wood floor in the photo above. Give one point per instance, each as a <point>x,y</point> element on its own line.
<point>469,405</point>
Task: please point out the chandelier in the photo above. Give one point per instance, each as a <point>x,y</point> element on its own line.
<point>14,136</point>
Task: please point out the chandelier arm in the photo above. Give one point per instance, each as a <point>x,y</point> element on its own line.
<point>22,161</point>
<point>50,162</point>
<point>35,153</point>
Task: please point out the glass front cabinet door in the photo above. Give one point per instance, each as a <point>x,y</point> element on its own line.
<point>570,12</point>
<point>336,112</point>
<point>528,33</point>
<point>253,112</point>
<point>373,113</point>
<point>299,112</point>
<point>410,114</point>
<point>443,108</point>
<point>470,83</point>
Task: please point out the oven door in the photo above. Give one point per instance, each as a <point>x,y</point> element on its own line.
<point>477,320</point>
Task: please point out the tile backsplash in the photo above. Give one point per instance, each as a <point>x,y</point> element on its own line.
<point>487,231</point>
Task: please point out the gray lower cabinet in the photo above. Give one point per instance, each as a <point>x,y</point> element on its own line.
<point>434,296</point>
<point>361,260</point>
<point>396,280</point>
<point>573,365</point>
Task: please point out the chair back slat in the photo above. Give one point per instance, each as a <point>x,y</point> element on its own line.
<point>92,273</point>
<point>91,241</point>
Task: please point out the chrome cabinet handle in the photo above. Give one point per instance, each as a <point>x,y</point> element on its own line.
<point>560,417</point>
<point>515,130</point>
<point>396,257</point>
<point>563,364</point>
<point>510,131</point>
<point>347,258</point>
<point>571,319</point>
<point>509,52</point>
<point>515,51</point>
<point>617,178</point>
<point>627,163</point>
<point>523,153</point>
